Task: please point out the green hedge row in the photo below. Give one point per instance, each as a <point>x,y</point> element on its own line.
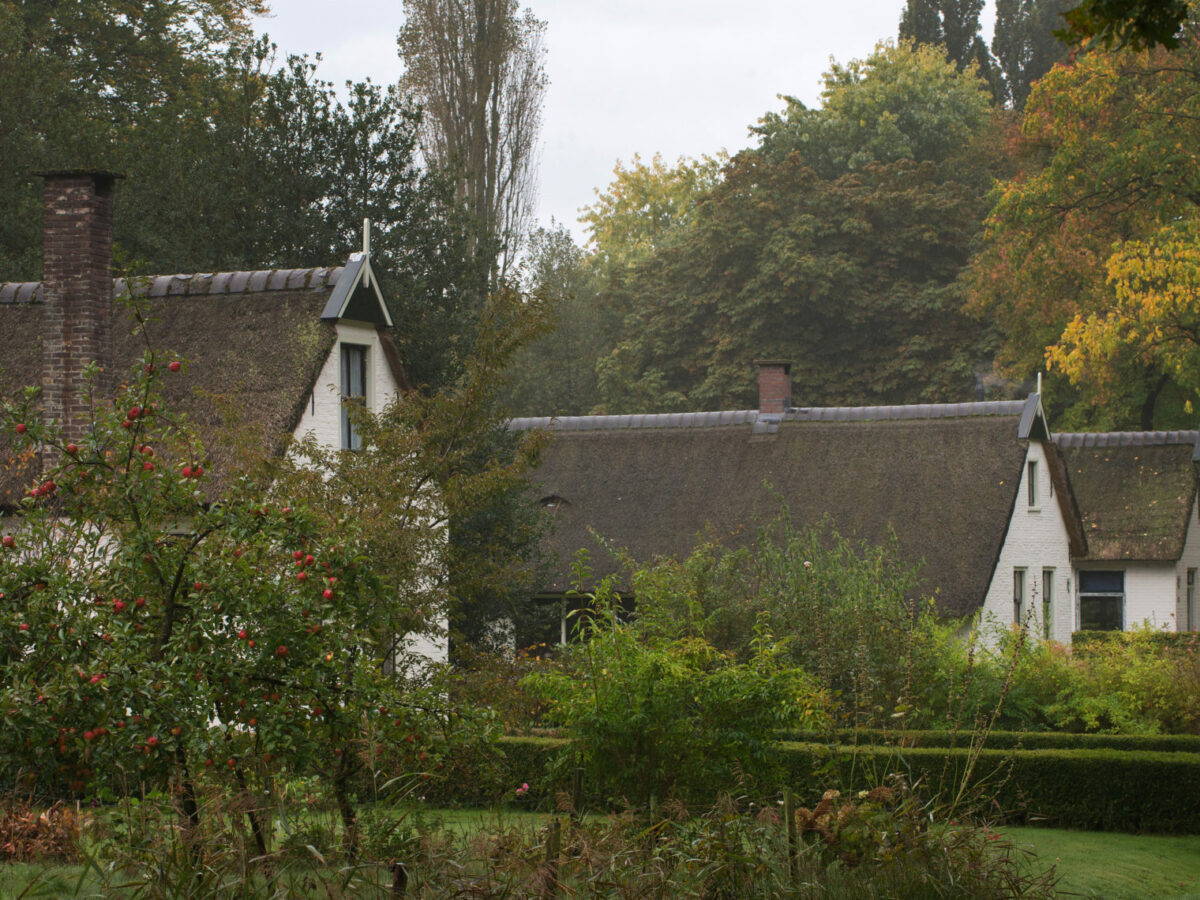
<point>1089,641</point>
<point>1095,789</point>
<point>1098,790</point>
<point>1005,740</point>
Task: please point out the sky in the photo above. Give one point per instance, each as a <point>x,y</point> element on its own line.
<point>676,77</point>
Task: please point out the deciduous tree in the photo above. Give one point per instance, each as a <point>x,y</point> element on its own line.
<point>1108,155</point>
<point>477,67</point>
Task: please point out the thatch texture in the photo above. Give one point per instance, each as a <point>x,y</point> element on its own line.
<point>1135,492</point>
<point>253,343</point>
<point>944,485</point>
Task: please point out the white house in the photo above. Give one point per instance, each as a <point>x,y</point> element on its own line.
<point>287,346</point>
<point>1004,518</point>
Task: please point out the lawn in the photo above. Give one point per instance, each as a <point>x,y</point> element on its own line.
<point>1117,866</point>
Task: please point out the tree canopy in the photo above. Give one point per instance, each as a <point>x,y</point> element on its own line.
<point>836,244</point>
<point>1109,178</point>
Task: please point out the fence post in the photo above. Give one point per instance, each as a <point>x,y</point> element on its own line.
<point>399,879</point>
<point>789,816</point>
<point>553,837</point>
<point>577,795</point>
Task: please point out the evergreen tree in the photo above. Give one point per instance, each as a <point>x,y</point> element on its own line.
<point>1024,44</point>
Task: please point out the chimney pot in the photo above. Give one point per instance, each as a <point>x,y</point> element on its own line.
<point>774,386</point>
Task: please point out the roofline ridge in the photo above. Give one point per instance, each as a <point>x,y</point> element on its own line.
<point>199,283</point>
<point>725,418</point>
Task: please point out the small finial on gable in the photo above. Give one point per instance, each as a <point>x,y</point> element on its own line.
<point>1039,384</point>
<point>367,253</point>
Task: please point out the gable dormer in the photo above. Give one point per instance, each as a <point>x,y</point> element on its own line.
<point>357,297</point>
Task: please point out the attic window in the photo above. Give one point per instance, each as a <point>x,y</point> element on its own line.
<point>553,501</point>
<point>1031,480</point>
<point>354,390</point>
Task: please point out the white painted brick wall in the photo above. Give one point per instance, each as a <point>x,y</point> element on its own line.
<point>1037,539</point>
<point>323,418</point>
<point>1189,560</point>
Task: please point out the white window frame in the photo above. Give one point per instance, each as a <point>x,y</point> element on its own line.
<point>1020,592</point>
<point>1047,604</point>
<point>348,392</point>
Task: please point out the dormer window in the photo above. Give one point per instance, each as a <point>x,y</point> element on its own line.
<point>354,390</point>
<point>1031,478</point>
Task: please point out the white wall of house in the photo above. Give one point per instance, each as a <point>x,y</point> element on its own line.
<point>323,412</point>
<point>1149,592</point>
<point>1037,544</point>
<point>323,419</point>
<point>1189,560</point>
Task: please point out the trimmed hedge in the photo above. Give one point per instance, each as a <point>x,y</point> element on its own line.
<point>1084,642</point>
<point>1100,789</point>
<point>1005,740</point>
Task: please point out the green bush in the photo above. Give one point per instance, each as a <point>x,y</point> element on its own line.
<point>1002,740</point>
<point>653,715</point>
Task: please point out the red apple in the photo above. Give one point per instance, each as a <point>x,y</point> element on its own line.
<point>148,466</point>
<point>21,428</point>
<point>139,602</point>
<point>186,472</point>
<point>302,576</point>
<point>308,560</point>
<point>152,741</point>
<point>119,605</point>
<point>231,762</point>
<point>24,626</point>
<point>174,365</point>
<point>281,650</point>
<point>243,634</point>
<point>134,412</point>
<point>298,555</point>
<point>198,471</point>
<point>72,449</point>
<point>9,541</point>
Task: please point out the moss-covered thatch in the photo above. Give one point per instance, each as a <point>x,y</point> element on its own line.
<point>944,485</point>
<point>254,344</point>
<point>1135,492</point>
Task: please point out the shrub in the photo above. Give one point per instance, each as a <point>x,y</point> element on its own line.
<point>656,716</point>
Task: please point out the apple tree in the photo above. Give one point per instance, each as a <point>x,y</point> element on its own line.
<point>171,621</point>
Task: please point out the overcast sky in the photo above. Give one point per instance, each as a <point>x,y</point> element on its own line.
<point>678,77</point>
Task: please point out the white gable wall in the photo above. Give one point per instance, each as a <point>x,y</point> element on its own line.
<point>1037,540</point>
<point>323,412</point>
<point>1189,560</point>
<point>323,419</point>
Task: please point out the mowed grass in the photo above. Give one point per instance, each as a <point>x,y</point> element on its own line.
<point>1116,866</point>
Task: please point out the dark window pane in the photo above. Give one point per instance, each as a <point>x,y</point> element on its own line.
<point>1101,613</point>
<point>1102,582</point>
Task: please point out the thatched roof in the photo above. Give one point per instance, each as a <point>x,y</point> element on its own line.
<point>1135,491</point>
<point>255,338</point>
<point>943,478</point>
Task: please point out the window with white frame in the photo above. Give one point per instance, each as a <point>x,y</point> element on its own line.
<point>1031,479</point>
<point>1047,603</point>
<point>1191,600</point>
<point>1018,594</point>
<point>354,391</point>
<point>1101,600</point>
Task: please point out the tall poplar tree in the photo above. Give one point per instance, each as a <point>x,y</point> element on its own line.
<point>477,67</point>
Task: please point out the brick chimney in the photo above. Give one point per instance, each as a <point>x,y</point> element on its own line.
<point>774,386</point>
<point>77,292</point>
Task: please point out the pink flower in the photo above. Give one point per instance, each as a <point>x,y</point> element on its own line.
<point>523,789</point>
